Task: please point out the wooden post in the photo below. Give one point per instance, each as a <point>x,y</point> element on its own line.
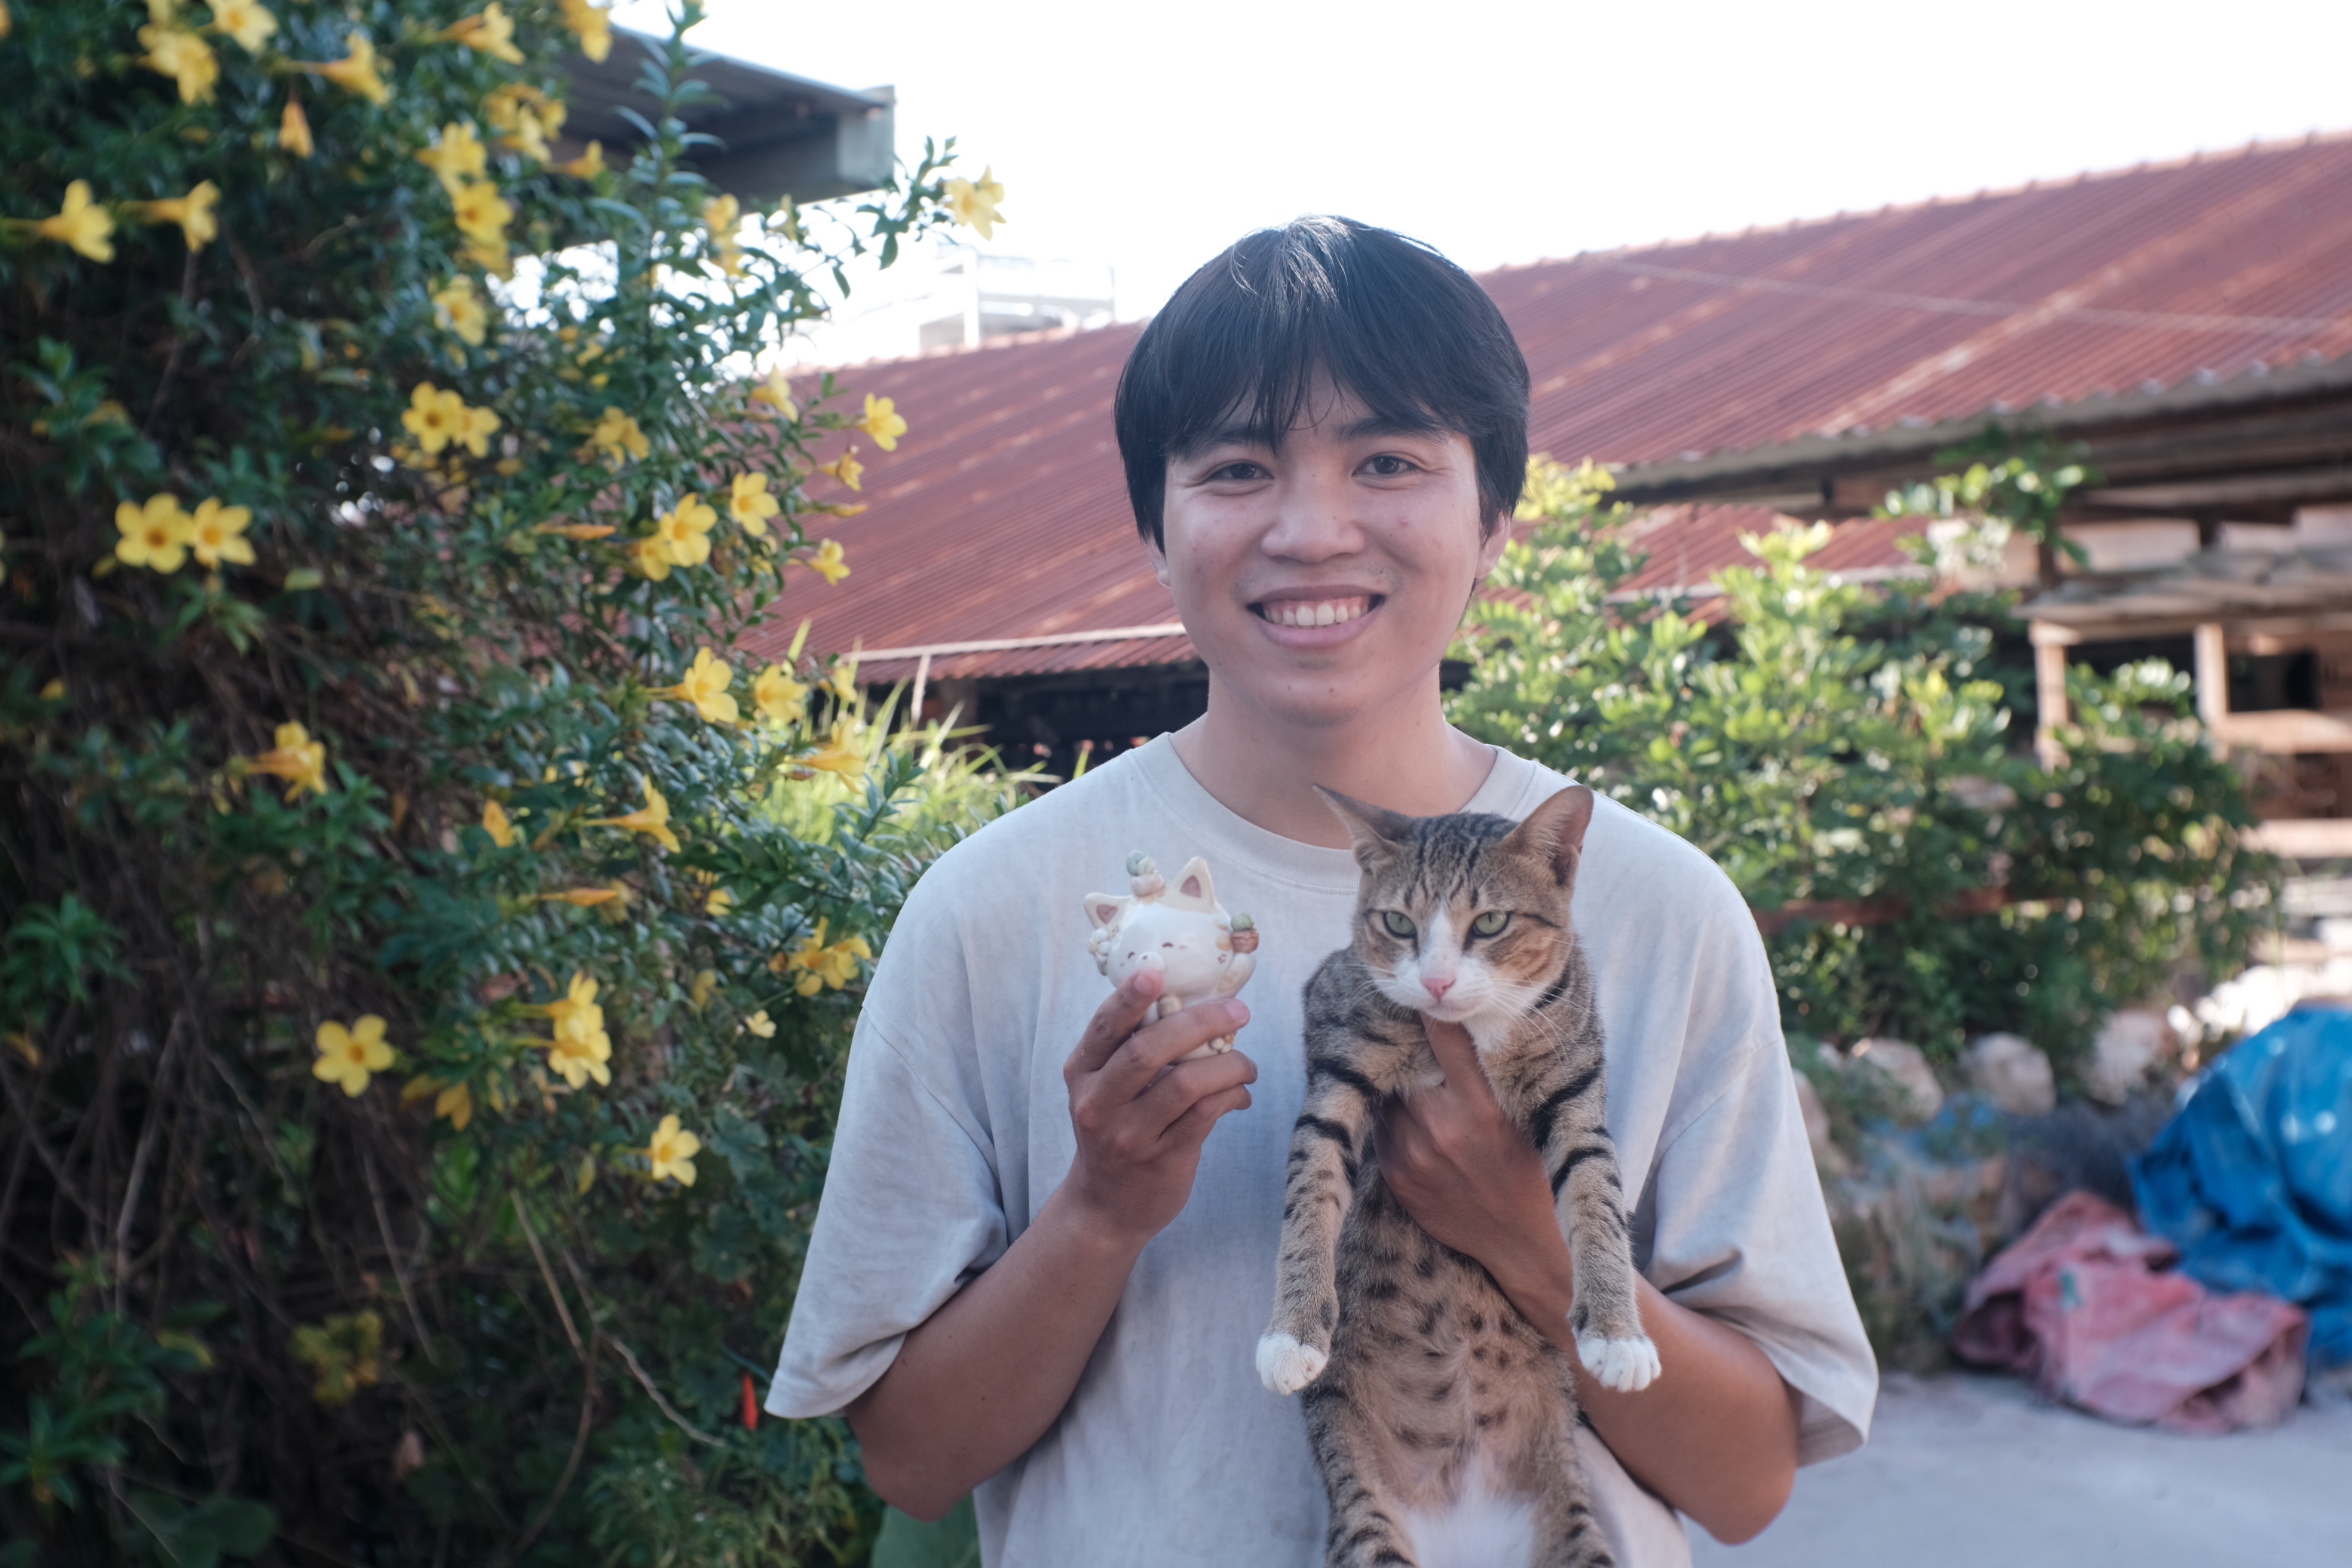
<point>923,679</point>
<point>2213,683</point>
<point>2049,690</point>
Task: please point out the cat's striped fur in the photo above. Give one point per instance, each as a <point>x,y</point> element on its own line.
<point>1442,1419</point>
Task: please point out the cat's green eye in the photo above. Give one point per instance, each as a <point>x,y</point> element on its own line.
<point>1398,922</point>
<point>1490,924</point>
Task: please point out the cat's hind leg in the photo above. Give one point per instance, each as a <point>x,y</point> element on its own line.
<point>1368,1530</point>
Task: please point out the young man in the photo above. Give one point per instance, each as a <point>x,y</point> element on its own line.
<point>1044,1254</point>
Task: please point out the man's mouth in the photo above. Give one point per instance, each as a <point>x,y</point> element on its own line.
<point>1314,611</point>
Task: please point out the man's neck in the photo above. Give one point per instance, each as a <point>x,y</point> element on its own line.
<point>1264,768</point>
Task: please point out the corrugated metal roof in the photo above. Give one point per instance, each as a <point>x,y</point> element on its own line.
<point>1003,514</point>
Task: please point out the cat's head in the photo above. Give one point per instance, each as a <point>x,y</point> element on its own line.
<point>1465,916</point>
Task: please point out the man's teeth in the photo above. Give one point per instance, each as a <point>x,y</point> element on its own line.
<point>1317,612</point>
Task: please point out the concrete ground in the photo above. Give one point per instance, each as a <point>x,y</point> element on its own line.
<point>1970,1469</point>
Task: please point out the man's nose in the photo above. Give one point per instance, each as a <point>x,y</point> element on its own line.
<point>1316,521</point>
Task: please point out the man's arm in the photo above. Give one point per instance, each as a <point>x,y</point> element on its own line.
<point>1716,1435</point>
<point>980,1379</point>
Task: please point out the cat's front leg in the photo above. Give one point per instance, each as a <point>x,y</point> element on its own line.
<point>1580,1158</point>
<point>1326,1146</point>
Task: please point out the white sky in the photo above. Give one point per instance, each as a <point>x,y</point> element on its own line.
<point>1148,136</point>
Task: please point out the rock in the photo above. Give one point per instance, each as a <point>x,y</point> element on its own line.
<point>1906,1066</point>
<point>1827,1155</point>
<point>2011,1072</point>
<point>2129,1046</point>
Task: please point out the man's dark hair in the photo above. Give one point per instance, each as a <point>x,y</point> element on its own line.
<point>1411,335</point>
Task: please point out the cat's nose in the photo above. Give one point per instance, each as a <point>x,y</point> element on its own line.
<point>1436,987</point>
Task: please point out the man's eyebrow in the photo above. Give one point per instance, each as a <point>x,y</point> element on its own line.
<point>1374,425</point>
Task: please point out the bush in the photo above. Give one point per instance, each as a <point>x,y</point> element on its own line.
<point>1847,754</point>
<point>424,964</point>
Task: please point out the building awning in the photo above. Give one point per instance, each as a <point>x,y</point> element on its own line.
<point>778,136</point>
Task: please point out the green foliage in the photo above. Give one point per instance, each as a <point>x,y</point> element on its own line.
<point>1846,754</point>
<point>2014,483</point>
<point>412,952</point>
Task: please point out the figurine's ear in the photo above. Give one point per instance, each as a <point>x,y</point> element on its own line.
<point>1104,909</point>
<point>1192,887</point>
<point>1378,831</point>
<point>1555,830</point>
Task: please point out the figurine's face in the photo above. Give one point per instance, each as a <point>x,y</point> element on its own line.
<point>1323,582</point>
<point>1186,946</point>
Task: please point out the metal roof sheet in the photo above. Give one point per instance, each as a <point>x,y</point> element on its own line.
<point>1004,513</point>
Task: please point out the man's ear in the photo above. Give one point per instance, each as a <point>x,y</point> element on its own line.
<point>1379,832</point>
<point>1490,549</point>
<point>1157,553</point>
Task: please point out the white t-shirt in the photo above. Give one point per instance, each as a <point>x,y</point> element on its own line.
<point>955,1127</point>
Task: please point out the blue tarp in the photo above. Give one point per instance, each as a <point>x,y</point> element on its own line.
<point>2252,1180</point>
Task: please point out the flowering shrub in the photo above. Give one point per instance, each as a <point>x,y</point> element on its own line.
<point>427,947</point>
<point>1846,755</point>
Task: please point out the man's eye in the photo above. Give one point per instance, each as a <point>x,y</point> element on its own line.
<point>1398,923</point>
<point>1233,472</point>
<point>1491,923</point>
<point>1389,466</point>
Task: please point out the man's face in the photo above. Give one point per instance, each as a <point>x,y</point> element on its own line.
<point>1322,583</point>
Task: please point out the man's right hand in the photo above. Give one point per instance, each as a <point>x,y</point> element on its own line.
<point>1140,1114</point>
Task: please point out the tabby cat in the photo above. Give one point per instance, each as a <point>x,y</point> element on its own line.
<point>1442,1420</point>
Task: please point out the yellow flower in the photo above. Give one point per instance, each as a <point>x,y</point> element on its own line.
<point>7,23</point>
<point>822,965</point>
<point>586,166</point>
<point>435,417</point>
<point>719,904</point>
<point>617,436</point>
<point>828,562</point>
<point>721,214</point>
<point>185,57</point>
<point>217,534</point>
<point>81,222</point>
<point>882,422</point>
<point>348,1057</point>
<point>456,156</point>
<point>497,824</point>
<point>579,1047</point>
<point>651,558</point>
<point>457,1103</point>
<point>594,25</point>
<point>249,23</point>
<point>839,755</point>
<point>776,393</point>
<point>458,308</point>
<point>156,536</point>
<point>294,128</point>
<point>583,897</point>
<point>300,761</point>
<point>481,424</point>
<point>192,213</point>
<point>482,214</point>
<point>704,984</point>
<point>782,699</point>
<point>356,71</point>
<point>489,31</point>
<point>582,532</point>
<point>651,819</point>
<point>525,117</point>
<point>750,505</point>
<point>760,1024</point>
<point>975,202</point>
<point>846,468</point>
<point>672,1151</point>
<point>705,685</point>
<point>843,681</point>
<point>685,531</point>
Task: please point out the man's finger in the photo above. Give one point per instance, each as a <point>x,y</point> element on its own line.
<point>1194,1125</point>
<point>1139,1061</point>
<point>1457,1056</point>
<point>1114,1021</point>
<point>1186,1084</point>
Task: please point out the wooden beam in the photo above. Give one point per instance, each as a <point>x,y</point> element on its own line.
<point>2049,697</point>
<point>2283,732</point>
<point>2213,679</point>
<point>2303,838</point>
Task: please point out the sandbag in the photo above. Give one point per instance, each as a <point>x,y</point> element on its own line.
<point>2085,1305</point>
<point>2252,1180</point>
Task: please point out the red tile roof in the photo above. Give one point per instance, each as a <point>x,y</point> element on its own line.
<point>1003,515</point>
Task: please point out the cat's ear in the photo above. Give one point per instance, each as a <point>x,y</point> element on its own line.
<point>1378,832</point>
<point>1556,829</point>
<point>1104,909</point>
<point>1190,888</point>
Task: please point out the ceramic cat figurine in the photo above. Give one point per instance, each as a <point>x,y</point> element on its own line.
<point>1202,954</point>
<point>1442,1420</point>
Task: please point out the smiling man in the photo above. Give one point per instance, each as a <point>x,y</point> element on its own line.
<point>1046,1244</point>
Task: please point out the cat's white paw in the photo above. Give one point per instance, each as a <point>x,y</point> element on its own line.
<point>1286,1367</point>
<point>1625,1365</point>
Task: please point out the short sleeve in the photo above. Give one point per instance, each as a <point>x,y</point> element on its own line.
<point>1737,1230</point>
<point>911,1211</point>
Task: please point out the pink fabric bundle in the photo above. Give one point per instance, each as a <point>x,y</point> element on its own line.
<point>2082,1305</point>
